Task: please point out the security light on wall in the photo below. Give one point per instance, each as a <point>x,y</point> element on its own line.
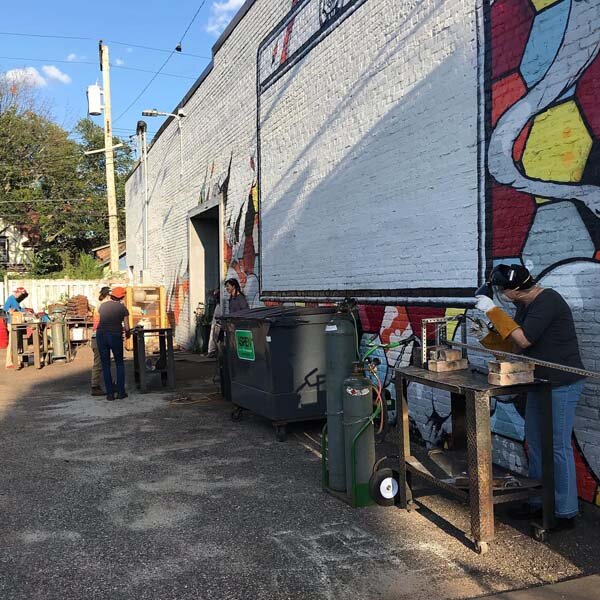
<point>153,112</point>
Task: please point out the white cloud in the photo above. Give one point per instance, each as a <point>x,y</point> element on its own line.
<point>53,72</point>
<point>26,75</point>
<point>129,50</point>
<point>75,57</point>
<point>220,15</point>
<point>119,62</point>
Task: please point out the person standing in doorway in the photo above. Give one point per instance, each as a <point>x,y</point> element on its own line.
<point>109,336</point>
<point>97,387</point>
<point>12,305</point>
<point>237,299</point>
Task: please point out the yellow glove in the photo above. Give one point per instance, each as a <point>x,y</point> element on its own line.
<point>504,324</point>
<point>493,341</point>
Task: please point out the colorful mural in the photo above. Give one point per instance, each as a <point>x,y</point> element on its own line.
<point>544,193</point>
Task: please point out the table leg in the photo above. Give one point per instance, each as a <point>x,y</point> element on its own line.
<point>142,362</point>
<point>479,451</point>
<point>170,361</point>
<point>459,435</point>
<point>14,348</point>
<point>37,359</point>
<point>136,365</point>
<point>548,519</point>
<point>162,348</point>
<point>402,426</point>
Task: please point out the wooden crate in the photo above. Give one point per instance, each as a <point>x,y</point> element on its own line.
<point>145,302</point>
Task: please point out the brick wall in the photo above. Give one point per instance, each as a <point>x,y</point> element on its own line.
<point>534,153</point>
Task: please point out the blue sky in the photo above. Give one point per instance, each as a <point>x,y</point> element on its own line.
<point>58,69</point>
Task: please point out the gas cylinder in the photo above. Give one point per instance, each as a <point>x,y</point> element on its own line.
<point>3,334</point>
<point>358,408</point>
<point>59,340</point>
<point>340,352</point>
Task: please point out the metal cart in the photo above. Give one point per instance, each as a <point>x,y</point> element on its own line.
<point>164,364</point>
<point>470,401</point>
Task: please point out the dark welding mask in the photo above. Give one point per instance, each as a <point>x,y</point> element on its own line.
<point>22,297</point>
<point>506,277</point>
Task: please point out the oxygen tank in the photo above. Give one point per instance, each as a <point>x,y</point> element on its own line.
<point>59,338</point>
<point>358,407</point>
<point>340,352</point>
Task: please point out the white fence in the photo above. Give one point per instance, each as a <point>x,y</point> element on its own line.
<point>46,291</point>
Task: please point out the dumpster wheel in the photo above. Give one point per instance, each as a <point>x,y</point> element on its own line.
<point>280,431</point>
<point>236,413</point>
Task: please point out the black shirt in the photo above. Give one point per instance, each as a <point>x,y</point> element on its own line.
<point>112,314</point>
<point>237,303</point>
<point>547,323</point>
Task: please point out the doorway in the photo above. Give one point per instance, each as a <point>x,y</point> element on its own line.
<point>203,257</point>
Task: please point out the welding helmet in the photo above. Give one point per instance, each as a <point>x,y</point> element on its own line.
<point>506,277</point>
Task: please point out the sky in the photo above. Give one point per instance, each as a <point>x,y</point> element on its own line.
<point>61,69</point>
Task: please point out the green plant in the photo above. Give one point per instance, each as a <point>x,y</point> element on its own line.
<point>46,261</point>
<point>86,267</point>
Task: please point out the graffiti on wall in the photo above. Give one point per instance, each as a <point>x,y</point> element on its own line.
<point>241,237</point>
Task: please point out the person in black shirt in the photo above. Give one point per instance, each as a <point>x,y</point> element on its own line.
<point>237,299</point>
<point>543,328</point>
<point>109,336</point>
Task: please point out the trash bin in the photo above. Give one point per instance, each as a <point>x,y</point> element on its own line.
<point>276,362</point>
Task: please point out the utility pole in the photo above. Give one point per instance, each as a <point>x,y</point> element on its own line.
<point>143,145</point>
<point>111,196</point>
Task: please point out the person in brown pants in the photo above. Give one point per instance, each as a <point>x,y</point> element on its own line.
<point>97,388</point>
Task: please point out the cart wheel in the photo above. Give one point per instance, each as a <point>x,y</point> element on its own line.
<point>539,534</point>
<point>481,547</point>
<point>383,486</point>
<point>280,433</point>
<point>236,413</point>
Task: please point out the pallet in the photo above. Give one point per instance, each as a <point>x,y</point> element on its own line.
<point>441,366</point>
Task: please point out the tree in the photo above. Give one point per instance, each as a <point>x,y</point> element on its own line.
<point>48,187</point>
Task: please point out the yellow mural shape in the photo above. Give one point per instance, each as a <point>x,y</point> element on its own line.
<point>540,200</point>
<point>451,328</point>
<point>541,4</point>
<point>558,146</point>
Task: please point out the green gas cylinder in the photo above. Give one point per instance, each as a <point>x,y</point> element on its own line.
<point>340,353</point>
<point>358,408</point>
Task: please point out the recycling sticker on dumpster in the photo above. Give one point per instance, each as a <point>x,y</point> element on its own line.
<point>244,344</point>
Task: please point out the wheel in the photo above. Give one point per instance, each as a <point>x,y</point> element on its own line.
<point>539,534</point>
<point>383,487</point>
<point>280,433</point>
<point>481,547</point>
<point>236,413</point>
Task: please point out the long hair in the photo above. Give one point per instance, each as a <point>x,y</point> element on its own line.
<point>236,285</point>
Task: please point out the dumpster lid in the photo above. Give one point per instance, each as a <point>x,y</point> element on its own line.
<point>276,313</point>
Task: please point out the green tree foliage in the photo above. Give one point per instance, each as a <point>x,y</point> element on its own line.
<point>48,187</point>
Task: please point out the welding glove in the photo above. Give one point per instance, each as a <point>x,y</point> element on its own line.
<point>503,323</point>
<point>493,341</point>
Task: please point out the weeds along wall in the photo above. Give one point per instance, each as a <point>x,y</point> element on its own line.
<point>398,150</point>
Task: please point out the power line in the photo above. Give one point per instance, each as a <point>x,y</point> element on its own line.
<point>161,67</point>
<point>70,37</point>
<point>157,49</point>
<point>89,62</point>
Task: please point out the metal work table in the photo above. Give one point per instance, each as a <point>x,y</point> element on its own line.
<point>164,365</point>
<point>470,401</point>
<point>18,342</point>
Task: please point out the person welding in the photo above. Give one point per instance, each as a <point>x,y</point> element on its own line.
<point>12,305</point>
<point>542,328</point>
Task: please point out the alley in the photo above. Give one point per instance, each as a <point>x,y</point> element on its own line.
<point>155,498</point>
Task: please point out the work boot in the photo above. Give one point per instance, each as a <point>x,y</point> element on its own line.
<point>564,524</point>
<point>97,391</point>
<point>122,396</point>
<point>110,397</point>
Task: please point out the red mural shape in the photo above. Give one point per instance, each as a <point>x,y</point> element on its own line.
<point>505,93</point>
<point>398,324</point>
<point>512,216</point>
<point>586,483</point>
<point>588,92</point>
<point>417,313</point>
<point>511,24</point>
<point>371,317</point>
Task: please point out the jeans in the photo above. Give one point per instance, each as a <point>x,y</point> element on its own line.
<point>564,403</point>
<point>108,342</point>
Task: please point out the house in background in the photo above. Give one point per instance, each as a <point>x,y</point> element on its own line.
<point>15,248</point>
<point>102,255</point>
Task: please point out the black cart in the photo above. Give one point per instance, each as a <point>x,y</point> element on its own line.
<point>276,362</point>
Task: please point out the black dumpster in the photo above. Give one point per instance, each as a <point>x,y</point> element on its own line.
<point>276,362</point>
